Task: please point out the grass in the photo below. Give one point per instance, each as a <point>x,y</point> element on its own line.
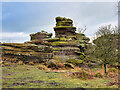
<point>28,76</point>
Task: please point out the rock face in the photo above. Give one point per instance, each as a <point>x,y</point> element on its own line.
<point>64,27</point>
<point>36,50</point>
<point>25,52</point>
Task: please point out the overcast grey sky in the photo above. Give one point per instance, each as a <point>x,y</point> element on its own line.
<point>23,18</point>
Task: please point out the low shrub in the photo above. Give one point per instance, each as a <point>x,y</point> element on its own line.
<point>82,75</point>
<point>55,64</point>
<point>20,63</point>
<point>75,61</point>
<point>52,63</point>
<point>6,64</point>
<point>60,65</point>
<point>98,75</point>
<point>42,67</point>
<point>1,62</point>
<point>82,57</point>
<point>31,63</point>
<point>112,70</point>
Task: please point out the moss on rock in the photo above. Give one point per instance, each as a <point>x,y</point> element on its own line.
<point>52,39</point>
<point>75,61</point>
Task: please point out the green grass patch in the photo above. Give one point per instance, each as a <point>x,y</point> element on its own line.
<point>27,76</point>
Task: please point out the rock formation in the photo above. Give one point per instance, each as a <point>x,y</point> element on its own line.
<point>66,46</point>
<point>40,35</point>
<point>15,52</point>
<point>36,50</point>
<point>64,27</point>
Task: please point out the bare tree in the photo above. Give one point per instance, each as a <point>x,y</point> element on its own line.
<point>106,45</point>
<point>82,30</point>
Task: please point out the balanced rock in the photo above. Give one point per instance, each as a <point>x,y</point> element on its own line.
<point>64,27</point>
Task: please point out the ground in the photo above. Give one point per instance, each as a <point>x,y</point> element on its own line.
<point>30,76</point>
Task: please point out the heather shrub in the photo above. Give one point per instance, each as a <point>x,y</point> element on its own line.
<point>98,75</point>
<point>74,61</point>
<point>52,63</point>
<point>42,67</point>
<point>82,75</point>
<point>112,70</point>
<point>6,64</point>
<point>31,63</point>
<point>20,63</point>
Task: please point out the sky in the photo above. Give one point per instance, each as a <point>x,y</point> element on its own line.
<point>19,19</point>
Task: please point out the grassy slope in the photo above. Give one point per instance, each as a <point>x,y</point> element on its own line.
<point>26,76</point>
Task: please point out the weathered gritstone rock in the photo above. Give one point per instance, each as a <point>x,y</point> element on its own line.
<point>37,42</point>
<point>67,45</point>
<point>27,52</point>
<point>40,35</point>
<point>64,27</point>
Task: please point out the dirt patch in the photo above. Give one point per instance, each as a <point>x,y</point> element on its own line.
<point>54,83</point>
<point>9,74</point>
<point>113,83</point>
<point>36,81</point>
<point>16,84</point>
<point>15,66</point>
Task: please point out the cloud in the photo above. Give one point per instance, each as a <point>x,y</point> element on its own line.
<point>114,23</point>
<point>59,0</point>
<point>34,17</point>
<point>47,28</point>
<point>18,37</point>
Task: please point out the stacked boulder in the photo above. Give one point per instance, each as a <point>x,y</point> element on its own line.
<point>68,45</point>
<point>64,27</point>
<point>40,35</point>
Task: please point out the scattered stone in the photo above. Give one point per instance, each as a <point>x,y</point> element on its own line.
<point>69,65</point>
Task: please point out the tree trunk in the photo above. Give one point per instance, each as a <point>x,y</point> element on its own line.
<point>105,68</point>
